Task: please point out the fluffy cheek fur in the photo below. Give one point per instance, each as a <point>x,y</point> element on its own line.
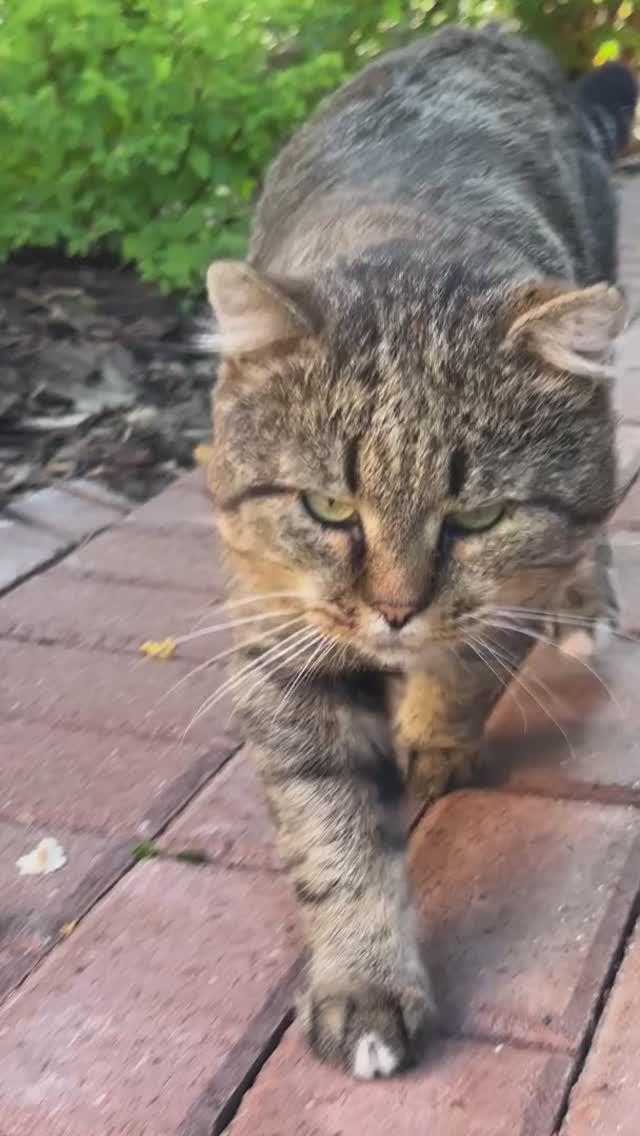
<point>524,562</point>
<point>295,569</point>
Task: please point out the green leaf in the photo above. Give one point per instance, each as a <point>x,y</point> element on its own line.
<point>145,126</point>
<point>200,162</point>
<point>146,850</point>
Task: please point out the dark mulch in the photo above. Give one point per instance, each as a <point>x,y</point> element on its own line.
<point>100,376</point>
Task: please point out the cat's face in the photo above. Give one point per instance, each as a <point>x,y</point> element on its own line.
<point>398,490</point>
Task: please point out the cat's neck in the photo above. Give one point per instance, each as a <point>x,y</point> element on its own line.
<point>351,226</point>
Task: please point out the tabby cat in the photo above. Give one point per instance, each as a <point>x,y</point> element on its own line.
<point>413,466</point>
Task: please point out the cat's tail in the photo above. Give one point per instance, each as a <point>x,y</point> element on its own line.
<point>607,98</point>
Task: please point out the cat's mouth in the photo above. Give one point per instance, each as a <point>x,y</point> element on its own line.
<point>398,650</point>
<point>366,635</point>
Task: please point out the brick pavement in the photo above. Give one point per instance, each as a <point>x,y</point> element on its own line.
<point>146,988</point>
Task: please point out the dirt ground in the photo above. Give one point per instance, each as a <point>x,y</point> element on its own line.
<point>100,376</point>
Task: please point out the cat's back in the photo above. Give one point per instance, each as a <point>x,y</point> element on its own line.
<point>457,120</point>
<point>458,79</point>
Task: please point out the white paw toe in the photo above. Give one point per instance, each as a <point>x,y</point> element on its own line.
<point>373,1058</point>
<point>578,645</point>
<point>584,644</point>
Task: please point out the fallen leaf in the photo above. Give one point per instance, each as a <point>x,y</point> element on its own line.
<point>68,928</point>
<point>47,857</point>
<point>158,649</point>
<point>146,850</point>
<point>202,454</point>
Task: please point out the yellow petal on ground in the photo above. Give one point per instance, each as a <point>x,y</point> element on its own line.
<point>68,928</point>
<point>158,648</point>
<point>202,454</point>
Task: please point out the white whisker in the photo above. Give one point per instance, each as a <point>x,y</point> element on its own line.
<point>229,651</point>
<point>481,643</point>
<point>517,677</point>
<point>517,667</point>
<point>544,639</point>
<point>260,597</point>
<point>563,617</point>
<point>229,626</point>
<point>299,649</point>
<point>275,652</point>
<point>302,636</point>
<point>557,615</point>
<point>320,653</point>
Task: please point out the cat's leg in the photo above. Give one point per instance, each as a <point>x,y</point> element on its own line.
<point>338,801</point>
<point>440,713</point>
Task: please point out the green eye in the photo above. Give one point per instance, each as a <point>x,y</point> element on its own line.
<point>476,520</point>
<point>329,510</point>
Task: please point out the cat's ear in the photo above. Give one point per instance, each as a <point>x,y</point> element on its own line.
<point>254,311</point>
<point>573,330</point>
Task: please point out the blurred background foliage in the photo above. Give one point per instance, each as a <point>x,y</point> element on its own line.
<point>143,126</point>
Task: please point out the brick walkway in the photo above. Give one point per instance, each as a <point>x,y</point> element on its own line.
<point>151,996</point>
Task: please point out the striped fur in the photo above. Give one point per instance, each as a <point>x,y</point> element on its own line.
<point>424,326</point>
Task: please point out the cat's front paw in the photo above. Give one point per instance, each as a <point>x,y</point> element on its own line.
<point>433,772</point>
<point>370,1031</point>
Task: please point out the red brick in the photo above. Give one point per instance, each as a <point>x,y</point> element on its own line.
<point>24,549</point>
<point>124,1025</point>
<point>72,514</point>
<point>627,385</point>
<point>185,502</point>
<point>575,735</point>
<point>627,389</point>
<point>26,896</point>
<point>628,515</point>
<point>606,1098</point>
<point>111,694</point>
<point>629,235</point>
<point>628,447</point>
<point>229,821</point>
<point>118,786</point>
<point>61,607</point>
<point>186,558</point>
<point>627,393</point>
<point>35,908</point>
<point>94,491</point>
<point>463,1089</point>
<point>525,901</point>
<point>626,562</point>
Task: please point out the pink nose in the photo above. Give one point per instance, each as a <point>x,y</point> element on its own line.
<point>396,615</point>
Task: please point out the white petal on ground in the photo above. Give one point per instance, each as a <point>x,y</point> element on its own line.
<point>47,857</point>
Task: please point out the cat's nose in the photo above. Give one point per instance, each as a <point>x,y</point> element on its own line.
<point>396,615</point>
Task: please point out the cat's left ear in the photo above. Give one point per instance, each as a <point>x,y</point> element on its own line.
<point>255,311</point>
<point>572,330</point>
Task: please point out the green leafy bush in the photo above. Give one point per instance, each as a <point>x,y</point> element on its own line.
<point>580,31</point>
<point>143,126</point>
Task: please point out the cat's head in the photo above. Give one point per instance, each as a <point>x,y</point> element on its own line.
<point>401,453</point>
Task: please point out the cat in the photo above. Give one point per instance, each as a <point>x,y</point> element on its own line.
<point>413,467</point>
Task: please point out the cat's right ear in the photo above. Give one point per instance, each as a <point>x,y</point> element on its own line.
<point>571,329</point>
<point>255,312</point>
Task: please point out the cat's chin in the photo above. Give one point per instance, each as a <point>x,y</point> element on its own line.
<point>406,656</point>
